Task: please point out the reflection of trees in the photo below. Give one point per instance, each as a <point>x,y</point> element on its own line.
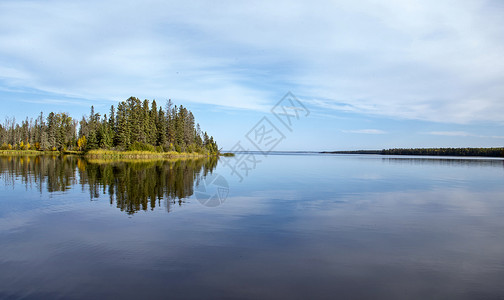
<point>133,186</point>
<point>57,173</point>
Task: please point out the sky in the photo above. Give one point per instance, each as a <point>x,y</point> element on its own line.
<point>370,74</point>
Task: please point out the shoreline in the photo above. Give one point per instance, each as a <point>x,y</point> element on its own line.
<point>139,155</point>
<point>460,152</point>
<point>111,154</point>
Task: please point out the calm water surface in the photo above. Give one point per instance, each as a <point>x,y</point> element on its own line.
<point>297,227</point>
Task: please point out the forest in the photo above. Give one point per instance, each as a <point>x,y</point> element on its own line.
<point>132,125</point>
<point>488,152</point>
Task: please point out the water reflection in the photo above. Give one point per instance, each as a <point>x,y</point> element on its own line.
<point>468,162</point>
<point>51,173</point>
<point>132,186</point>
<point>310,227</point>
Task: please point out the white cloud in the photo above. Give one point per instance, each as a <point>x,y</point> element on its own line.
<point>450,133</point>
<point>366,131</point>
<point>463,134</point>
<point>57,101</point>
<point>428,60</point>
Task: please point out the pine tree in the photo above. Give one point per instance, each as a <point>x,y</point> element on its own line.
<point>51,131</point>
<point>134,119</point>
<point>112,126</point>
<point>161,128</point>
<point>135,124</point>
<point>123,128</point>
<point>92,141</point>
<point>197,138</point>
<point>170,124</point>
<point>153,124</point>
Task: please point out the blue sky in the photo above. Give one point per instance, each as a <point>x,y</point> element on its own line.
<point>373,74</point>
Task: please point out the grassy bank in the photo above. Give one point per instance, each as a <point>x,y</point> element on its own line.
<point>26,153</point>
<point>132,155</point>
<point>108,154</point>
<point>228,154</point>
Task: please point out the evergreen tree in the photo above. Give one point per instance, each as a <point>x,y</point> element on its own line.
<point>105,134</point>
<point>134,125</point>
<point>112,126</point>
<point>51,131</point>
<point>134,119</point>
<point>152,124</point>
<point>161,128</point>
<point>123,128</point>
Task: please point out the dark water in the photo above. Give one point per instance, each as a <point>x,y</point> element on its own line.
<point>296,227</point>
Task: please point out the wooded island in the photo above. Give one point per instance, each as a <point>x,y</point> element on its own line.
<point>134,125</point>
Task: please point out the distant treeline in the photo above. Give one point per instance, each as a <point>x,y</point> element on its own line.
<point>134,125</point>
<point>355,152</point>
<point>489,152</point>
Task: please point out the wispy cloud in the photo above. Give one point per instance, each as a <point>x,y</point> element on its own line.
<point>450,133</point>
<point>365,131</point>
<point>463,134</point>
<point>427,60</point>
<point>82,103</point>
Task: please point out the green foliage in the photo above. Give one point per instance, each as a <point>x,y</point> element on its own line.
<point>134,125</point>
<point>228,154</point>
<point>138,146</point>
<point>489,152</point>
<point>92,141</point>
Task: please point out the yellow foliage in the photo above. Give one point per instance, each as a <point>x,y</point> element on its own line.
<point>81,165</point>
<point>81,143</point>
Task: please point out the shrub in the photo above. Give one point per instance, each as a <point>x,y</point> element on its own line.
<point>137,146</point>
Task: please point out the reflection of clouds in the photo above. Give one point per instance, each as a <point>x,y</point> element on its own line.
<point>388,242</point>
<point>270,247</point>
<point>12,222</point>
<point>293,237</point>
<point>369,176</point>
<point>447,161</point>
<point>459,201</point>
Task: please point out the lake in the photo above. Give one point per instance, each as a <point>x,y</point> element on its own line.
<point>296,226</point>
